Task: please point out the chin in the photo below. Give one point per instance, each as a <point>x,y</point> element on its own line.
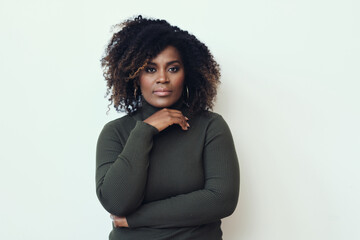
<point>162,103</point>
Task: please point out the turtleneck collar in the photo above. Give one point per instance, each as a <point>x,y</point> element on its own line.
<point>146,109</point>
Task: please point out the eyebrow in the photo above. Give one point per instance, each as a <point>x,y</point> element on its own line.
<point>168,63</point>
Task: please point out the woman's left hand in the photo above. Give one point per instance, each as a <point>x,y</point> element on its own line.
<point>119,221</point>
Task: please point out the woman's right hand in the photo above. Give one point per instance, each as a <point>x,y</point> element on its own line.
<point>167,117</point>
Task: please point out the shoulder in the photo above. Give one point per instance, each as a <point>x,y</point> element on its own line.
<point>214,125</point>
<point>119,127</point>
<point>119,122</point>
<point>210,118</point>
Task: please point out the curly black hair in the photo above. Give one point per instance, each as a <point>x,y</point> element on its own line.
<point>141,39</point>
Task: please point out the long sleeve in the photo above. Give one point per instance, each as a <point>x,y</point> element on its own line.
<point>216,200</point>
<point>121,166</point>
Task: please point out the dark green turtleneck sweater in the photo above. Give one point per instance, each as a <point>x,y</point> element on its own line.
<point>172,184</point>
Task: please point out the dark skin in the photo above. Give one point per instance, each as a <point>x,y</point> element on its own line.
<point>122,65</point>
<point>162,85</point>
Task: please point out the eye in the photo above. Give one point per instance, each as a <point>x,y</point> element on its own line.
<point>174,69</point>
<point>150,69</point>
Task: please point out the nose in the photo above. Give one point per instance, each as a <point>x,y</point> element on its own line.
<point>162,77</point>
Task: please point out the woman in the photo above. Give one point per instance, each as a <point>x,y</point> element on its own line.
<point>168,169</point>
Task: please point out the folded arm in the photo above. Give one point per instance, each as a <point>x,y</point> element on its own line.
<point>121,168</point>
<point>216,200</point>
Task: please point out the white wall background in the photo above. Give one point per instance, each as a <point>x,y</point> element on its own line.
<point>290,93</point>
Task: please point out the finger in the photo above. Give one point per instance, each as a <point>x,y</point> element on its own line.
<point>175,113</point>
<point>178,114</point>
<point>182,122</point>
<point>167,117</point>
<point>117,223</point>
<point>170,110</point>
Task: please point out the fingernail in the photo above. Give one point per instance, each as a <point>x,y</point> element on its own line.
<point>188,124</point>
<point>186,118</point>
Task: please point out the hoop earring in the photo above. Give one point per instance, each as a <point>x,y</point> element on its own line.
<point>187,93</point>
<point>135,89</point>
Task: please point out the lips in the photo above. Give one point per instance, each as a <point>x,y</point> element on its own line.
<point>162,92</point>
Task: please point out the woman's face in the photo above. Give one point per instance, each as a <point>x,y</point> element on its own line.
<point>162,80</point>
